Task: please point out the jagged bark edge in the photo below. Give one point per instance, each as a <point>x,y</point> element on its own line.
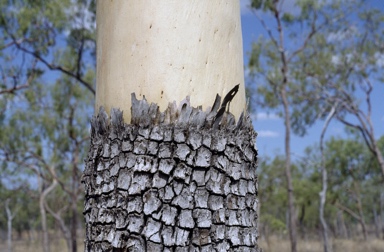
<point>144,114</point>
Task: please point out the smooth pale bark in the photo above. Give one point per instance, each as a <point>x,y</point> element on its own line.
<point>43,212</point>
<point>10,217</point>
<point>324,181</point>
<point>167,50</point>
<point>62,225</point>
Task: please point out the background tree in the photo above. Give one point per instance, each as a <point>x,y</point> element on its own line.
<point>355,70</point>
<point>307,65</point>
<point>280,90</point>
<point>47,49</point>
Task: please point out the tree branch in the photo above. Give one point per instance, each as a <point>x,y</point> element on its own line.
<point>349,211</point>
<point>52,66</point>
<point>16,87</point>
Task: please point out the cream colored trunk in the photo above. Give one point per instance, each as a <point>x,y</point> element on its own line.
<point>167,50</point>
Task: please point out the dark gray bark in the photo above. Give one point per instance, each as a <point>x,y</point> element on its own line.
<point>179,180</point>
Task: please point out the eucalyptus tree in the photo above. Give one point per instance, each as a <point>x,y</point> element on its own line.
<point>353,49</point>
<point>47,51</point>
<point>351,178</point>
<point>165,177</point>
<point>317,57</point>
<point>47,145</point>
<point>33,35</point>
<point>274,61</point>
<point>11,212</point>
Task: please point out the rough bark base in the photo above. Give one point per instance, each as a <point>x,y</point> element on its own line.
<point>179,180</point>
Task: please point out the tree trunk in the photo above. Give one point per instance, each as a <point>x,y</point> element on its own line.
<point>167,50</point>
<point>287,142</point>
<point>183,179</point>
<point>291,198</point>
<point>74,200</point>
<point>382,213</point>
<point>186,184</point>
<point>324,182</point>
<point>10,217</point>
<point>362,218</point>
<point>60,221</point>
<point>376,222</point>
<point>359,217</point>
<point>44,227</point>
<point>379,156</point>
<point>342,229</point>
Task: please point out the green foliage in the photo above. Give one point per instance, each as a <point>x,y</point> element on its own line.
<point>265,5</point>
<point>326,54</point>
<point>274,224</point>
<point>352,173</point>
<point>47,54</point>
<point>31,32</point>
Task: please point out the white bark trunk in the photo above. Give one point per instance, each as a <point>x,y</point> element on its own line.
<point>10,217</point>
<point>136,46</point>
<point>324,181</point>
<point>44,226</point>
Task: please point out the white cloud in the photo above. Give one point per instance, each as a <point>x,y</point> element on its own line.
<point>264,116</point>
<point>84,20</point>
<point>342,35</point>
<point>379,59</point>
<point>267,133</point>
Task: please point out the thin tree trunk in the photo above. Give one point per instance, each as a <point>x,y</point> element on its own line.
<point>188,184</point>
<point>379,157</point>
<point>382,213</point>
<point>43,213</point>
<point>377,222</point>
<point>291,199</point>
<point>10,217</point>
<point>74,224</point>
<point>74,197</point>
<point>287,124</point>
<point>359,217</point>
<point>66,232</point>
<point>323,192</point>
<point>361,213</point>
<point>342,229</point>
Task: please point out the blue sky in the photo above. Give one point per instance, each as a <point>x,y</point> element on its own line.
<point>270,127</point>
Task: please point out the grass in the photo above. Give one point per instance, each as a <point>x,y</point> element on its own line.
<point>23,246</point>
<point>56,245</point>
<point>282,245</point>
<point>275,245</point>
<point>36,246</point>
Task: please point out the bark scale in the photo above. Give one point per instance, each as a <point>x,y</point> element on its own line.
<point>179,180</point>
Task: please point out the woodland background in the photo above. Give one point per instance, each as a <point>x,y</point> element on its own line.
<point>316,63</point>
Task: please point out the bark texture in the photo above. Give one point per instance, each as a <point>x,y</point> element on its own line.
<point>178,180</point>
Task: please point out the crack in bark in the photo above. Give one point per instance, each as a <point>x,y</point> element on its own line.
<point>171,181</point>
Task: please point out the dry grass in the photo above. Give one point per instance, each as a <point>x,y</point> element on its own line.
<point>275,245</point>
<point>57,245</point>
<point>282,245</point>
